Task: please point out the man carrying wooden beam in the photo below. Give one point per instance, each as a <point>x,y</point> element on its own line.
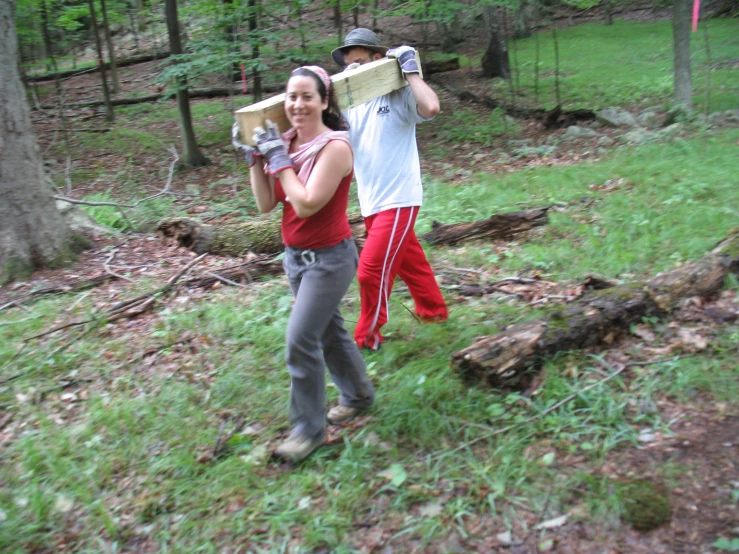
<point>388,172</point>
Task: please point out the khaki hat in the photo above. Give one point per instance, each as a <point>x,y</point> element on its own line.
<point>361,37</point>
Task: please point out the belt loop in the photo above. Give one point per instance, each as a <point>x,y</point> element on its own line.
<point>308,257</point>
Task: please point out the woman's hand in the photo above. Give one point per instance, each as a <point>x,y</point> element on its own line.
<point>272,147</point>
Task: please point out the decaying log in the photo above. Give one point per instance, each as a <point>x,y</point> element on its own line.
<point>511,358</point>
<point>497,226</point>
<point>260,236</point>
<point>132,60</point>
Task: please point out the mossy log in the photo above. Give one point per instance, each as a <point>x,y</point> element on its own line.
<point>511,358</point>
<point>260,236</point>
<point>498,226</point>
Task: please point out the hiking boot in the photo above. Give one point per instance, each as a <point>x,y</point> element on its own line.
<point>341,414</point>
<point>298,447</point>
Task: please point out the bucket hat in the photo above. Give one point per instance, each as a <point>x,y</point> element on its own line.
<point>358,37</point>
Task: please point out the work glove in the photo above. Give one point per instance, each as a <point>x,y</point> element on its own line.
<point>250,153</point>
<point>272,147</point>
<point>406,56</point>
<point>351,66</point>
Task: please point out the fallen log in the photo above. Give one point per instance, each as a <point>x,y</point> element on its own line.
<point>512,357</point>
<point>497,226</point>
<point>260,236</point>
<point>132,60</point>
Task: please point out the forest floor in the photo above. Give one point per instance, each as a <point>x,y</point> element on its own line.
<point>690,446</point>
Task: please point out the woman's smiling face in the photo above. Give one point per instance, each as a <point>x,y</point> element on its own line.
<point>303,104</point>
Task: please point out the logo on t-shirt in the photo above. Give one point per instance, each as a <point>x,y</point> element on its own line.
<point>383,110</point>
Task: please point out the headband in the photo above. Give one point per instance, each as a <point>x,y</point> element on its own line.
<point>320,73</point>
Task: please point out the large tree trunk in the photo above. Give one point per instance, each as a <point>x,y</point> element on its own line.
<point>495,227</point>
<point>510,358</point>
<point>32,231</point>
<point>191,155</point>
<point>495,60</point>
<point>681,20</point>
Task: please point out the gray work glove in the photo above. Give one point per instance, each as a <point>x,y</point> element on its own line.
<point>406,56</point>
<point>272,147</point>
<point>250,153</point>
<point>351,66</point>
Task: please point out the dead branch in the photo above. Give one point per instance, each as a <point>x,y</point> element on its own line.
<point>166,190</point>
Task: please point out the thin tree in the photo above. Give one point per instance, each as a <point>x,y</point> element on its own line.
<point>111,50</point>
<point>337,21</point>
<point>683,93</point>
<point>109,115</point>
<point>256,75</point>
<point>33,233</point>
<point>191,155</point>
<point>556,66</point>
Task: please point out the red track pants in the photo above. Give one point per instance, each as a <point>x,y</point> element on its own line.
<point>391,250</point>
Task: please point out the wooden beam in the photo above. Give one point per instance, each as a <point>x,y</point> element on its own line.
<point>352,88</point>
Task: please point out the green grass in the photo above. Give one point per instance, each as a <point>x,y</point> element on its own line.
<point>626,63</point>
<point>120,464</point>
<point>669,190</point>
<point>115,467</point>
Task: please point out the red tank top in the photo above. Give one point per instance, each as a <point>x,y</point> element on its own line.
<point>327,227</point>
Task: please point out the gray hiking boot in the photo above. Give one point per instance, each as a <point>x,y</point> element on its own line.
<point>341,414</point>
<point>298,447</point>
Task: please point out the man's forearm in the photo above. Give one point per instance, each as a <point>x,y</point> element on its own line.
<point>426,100</point>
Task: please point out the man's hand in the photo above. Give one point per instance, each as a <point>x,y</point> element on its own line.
<point>250,153</point>
<point>406,56</point>
<point>272,147</point>
<point>351,66</point>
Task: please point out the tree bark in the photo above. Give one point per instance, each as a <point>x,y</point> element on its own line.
<point>109,115</point>
<point>191,155</point>
<point>496,227</point>
<point>681,21</point>
<point>511,358</point>
<point>260,236</point>
<point>32,231</point>
<point>495,60</point>
<point>256,75</point>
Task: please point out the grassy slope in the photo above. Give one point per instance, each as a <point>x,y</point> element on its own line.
<point>120,465</point>
<point>625,64</point>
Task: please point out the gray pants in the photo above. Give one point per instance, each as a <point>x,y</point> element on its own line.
<point>316,337</point>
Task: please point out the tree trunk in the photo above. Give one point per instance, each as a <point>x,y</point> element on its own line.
<point>681,21</point>
<point>495,59</point>
<point>256,76</point>
<point>522,28</point>
<point>140,15</point>
<point>608,8</point>
<point>260,236</point>
<point>511,358</point>
<point>32,231</point>
<point>191,155</point>
<point>109,115</point>
<point>337,21</point>
<point>111,50</point>
<point>496,227</point>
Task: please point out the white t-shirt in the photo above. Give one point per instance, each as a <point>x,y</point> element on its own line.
<point>383,136</point>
